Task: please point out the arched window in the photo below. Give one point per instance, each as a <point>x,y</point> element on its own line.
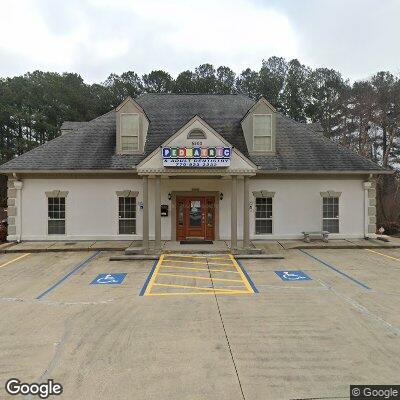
<point>196,134</point>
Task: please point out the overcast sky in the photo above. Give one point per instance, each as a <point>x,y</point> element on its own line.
<point>97,37</point>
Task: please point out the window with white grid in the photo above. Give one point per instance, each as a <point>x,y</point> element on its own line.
<point>263,218</point>
<point>129,132</point>
<point>330,214</point>
<point>127,215</point>
<point>262,132</point>
<point>56,215</point>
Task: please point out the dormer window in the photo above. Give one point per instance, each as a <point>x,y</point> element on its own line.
<point>131,127</point>
<point>262,132</point>
<point>129,132</point>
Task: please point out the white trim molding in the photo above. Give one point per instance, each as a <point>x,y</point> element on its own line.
<point>57,193</point>
<point>126,193</point>
<point>330,193</point>
<point>263,193</point>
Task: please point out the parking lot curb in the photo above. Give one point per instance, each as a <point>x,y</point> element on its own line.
<point>50,250</point>
<point>355,246</point>
<point>237,257</point>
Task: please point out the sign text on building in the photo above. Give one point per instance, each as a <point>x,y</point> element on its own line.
<point>192,157</point>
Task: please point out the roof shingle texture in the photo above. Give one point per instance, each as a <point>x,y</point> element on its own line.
<point>91,145</point>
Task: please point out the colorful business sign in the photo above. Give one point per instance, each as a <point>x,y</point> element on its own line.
<point>193,157</point>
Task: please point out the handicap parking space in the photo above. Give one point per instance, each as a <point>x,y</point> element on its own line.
<point>81,287</point>
<point>68,276</point>
<point>265,272</point>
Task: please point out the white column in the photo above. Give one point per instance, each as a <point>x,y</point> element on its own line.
<point>18,202</point>
<point>145,213</point>
<point>246,207</point>
<point>367,185</point>
<point>157,215</point>
<point>234,213</point>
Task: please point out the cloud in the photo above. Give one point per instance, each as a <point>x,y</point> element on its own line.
<point>97,37</point>
<point>103,36</point>
<point>357,37</point>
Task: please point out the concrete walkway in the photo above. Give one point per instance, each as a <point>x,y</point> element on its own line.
<point>40,247</point>
<point>341,244</point>
<point>220,246</point>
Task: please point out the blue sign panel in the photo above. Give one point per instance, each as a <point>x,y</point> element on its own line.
<point>227,152</point>
<point>193,157</point>
<point>108,279</point>
<point>293,276</point>
<point>166,152</point>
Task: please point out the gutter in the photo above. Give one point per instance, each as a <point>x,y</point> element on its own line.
<point>68,171</point>
<point>329,172</point>
<point>259,171</point>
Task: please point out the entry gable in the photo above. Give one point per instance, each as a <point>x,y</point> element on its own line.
<point>196,133</point>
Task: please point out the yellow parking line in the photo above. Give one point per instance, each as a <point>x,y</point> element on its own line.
<point>153,277</point>
<point>187,262</point>
<point>198,262</point>
<point>200,269</point>
<point>198,266</point>
<point>189,256</point>
<point>226,265</point>
<point>190,293</point>
<point>384,255</point>
<point>15,259</point>
<point>196,287</point>
<point>199,277</point>
<point>244,279</point>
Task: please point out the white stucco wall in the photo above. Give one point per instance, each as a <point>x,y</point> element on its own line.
<point>297,206</point>
<point>92,206</point>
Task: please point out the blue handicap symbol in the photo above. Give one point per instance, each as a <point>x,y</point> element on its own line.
<point>108,279</point>
<point>293,276</point>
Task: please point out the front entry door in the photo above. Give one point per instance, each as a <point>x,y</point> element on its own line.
<point>195,217</point>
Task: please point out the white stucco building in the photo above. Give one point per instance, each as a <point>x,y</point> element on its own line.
<point>175,167</point>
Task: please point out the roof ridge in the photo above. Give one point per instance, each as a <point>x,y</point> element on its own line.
<point>192,94</point>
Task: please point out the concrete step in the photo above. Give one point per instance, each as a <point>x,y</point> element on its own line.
<point>259,256</point>
<point>248,251</point>
<point>196,251</point>
<point>136,257</point>
<point>134,250</point>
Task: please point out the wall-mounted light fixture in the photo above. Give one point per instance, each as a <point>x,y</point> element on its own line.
<point>221,196</point>
<point>169,196</point>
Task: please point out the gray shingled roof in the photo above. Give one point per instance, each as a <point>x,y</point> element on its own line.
<point>316,127</point>
<point>91,145</point>
<point>70,126</point>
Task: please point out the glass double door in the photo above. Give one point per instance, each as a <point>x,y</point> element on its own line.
<point>195,218</point>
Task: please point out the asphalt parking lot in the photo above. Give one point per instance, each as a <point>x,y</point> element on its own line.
<point>188,328</point>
